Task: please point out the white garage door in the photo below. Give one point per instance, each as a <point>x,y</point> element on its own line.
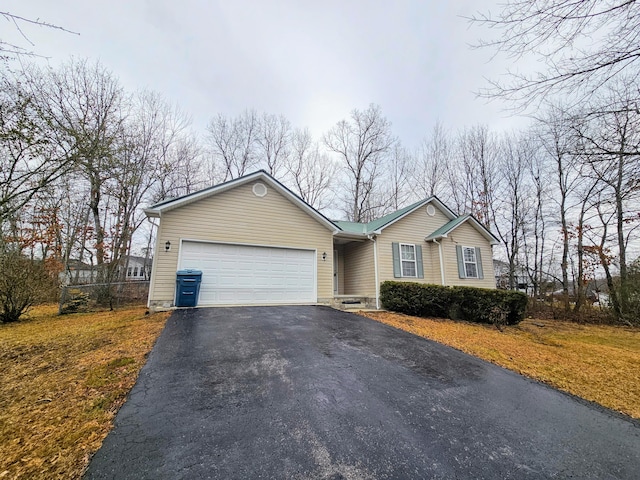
<point>244,275</point>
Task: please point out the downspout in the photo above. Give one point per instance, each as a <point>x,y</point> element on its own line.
<point>375,267</point>
<point>441,260</point>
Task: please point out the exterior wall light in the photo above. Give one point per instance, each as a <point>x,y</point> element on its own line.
<point>324,256</point>
<point>167,246</point>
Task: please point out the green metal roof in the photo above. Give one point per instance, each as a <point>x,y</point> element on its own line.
<point>351,227</point>
<point>382,221</point>
<point>372,226</point>
<point>447,227</point>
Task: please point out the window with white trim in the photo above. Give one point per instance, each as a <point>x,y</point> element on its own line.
<point>470,262</point>
<point>408,260</point>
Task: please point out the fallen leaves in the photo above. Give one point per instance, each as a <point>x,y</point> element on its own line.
<point>62,379</point>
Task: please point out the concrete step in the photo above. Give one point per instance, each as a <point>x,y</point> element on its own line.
<point>353,306</point>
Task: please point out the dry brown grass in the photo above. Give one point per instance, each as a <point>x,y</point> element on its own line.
<point>62,379</point>
<point>596,362</point>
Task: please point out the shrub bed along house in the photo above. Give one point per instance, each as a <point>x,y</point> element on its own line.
<point>499,307</point>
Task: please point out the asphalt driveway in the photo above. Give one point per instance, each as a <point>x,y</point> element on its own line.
<point>310,392</point>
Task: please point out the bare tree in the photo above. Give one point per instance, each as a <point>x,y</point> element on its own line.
<point>610,142</point>
<point>587,190</point>
<point>475,171</point>
<point>14,49</point>
<point>362,144</point>
<point>233,145</point>
<point>273,138</point>
<point>510,206</point>
<point>433,157</point>
<point>535,232</point>
<point>400,174</point>
<point>30,158</point>
<point>87,105</point>
<point>559,145</point>
<point>309,171</point>
<point>582,45</point>
<point>179,170</point>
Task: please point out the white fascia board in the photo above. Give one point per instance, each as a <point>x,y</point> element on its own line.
<point>443,208</point>
<point>186,199</point>
<point>350,235</point>
<point>151,213</point>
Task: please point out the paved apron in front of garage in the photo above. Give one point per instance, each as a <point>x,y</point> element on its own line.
<point>310,392</point>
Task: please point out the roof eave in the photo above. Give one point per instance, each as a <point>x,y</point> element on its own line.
<point>350,235</point>
<point>431,238</point>
<point>152,213</point>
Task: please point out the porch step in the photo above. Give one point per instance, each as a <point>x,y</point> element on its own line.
<point>353,305</point>
<point>350,303</point>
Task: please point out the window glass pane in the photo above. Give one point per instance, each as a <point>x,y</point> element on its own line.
<point>408,269</point>
<point>408,252</point>
<point>469,255</point>
<point>471,270</point>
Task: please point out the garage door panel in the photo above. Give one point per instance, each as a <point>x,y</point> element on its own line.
<point>239,274</point>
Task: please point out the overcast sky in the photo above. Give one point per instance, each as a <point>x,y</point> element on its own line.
<point>313,62</point>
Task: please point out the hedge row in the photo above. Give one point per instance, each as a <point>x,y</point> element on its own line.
<point>500,307</point>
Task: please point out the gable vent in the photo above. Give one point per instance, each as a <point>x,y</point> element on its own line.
<point>259,189</point>
<point>431,211</point>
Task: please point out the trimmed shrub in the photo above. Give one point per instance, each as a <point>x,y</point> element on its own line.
<point>498,307</point>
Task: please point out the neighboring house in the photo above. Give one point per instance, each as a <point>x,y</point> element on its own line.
<point>138,268</point>
<point>78,273</point>
<point>258,243</point>
<point>522,282</point>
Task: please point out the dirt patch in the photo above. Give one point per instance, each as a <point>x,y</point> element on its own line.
<point>62,380</point>
<point>596,362</point>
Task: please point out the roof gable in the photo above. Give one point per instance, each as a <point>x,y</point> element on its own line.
<point>171,204</point>
<point>447,228</point>
<point>379,224</point>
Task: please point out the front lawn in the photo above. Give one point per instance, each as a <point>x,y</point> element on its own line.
<point>62,379</point>
<point>595,362</point>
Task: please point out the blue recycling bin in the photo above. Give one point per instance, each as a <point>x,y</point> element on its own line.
<point>187,287</point>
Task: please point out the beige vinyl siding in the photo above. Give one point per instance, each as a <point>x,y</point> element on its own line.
<point>239,216</point>
<point>436,276</point>
<point>359,276</point>
<point>340,251</point>
<point>412,229</point>
<point>467,236</point>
